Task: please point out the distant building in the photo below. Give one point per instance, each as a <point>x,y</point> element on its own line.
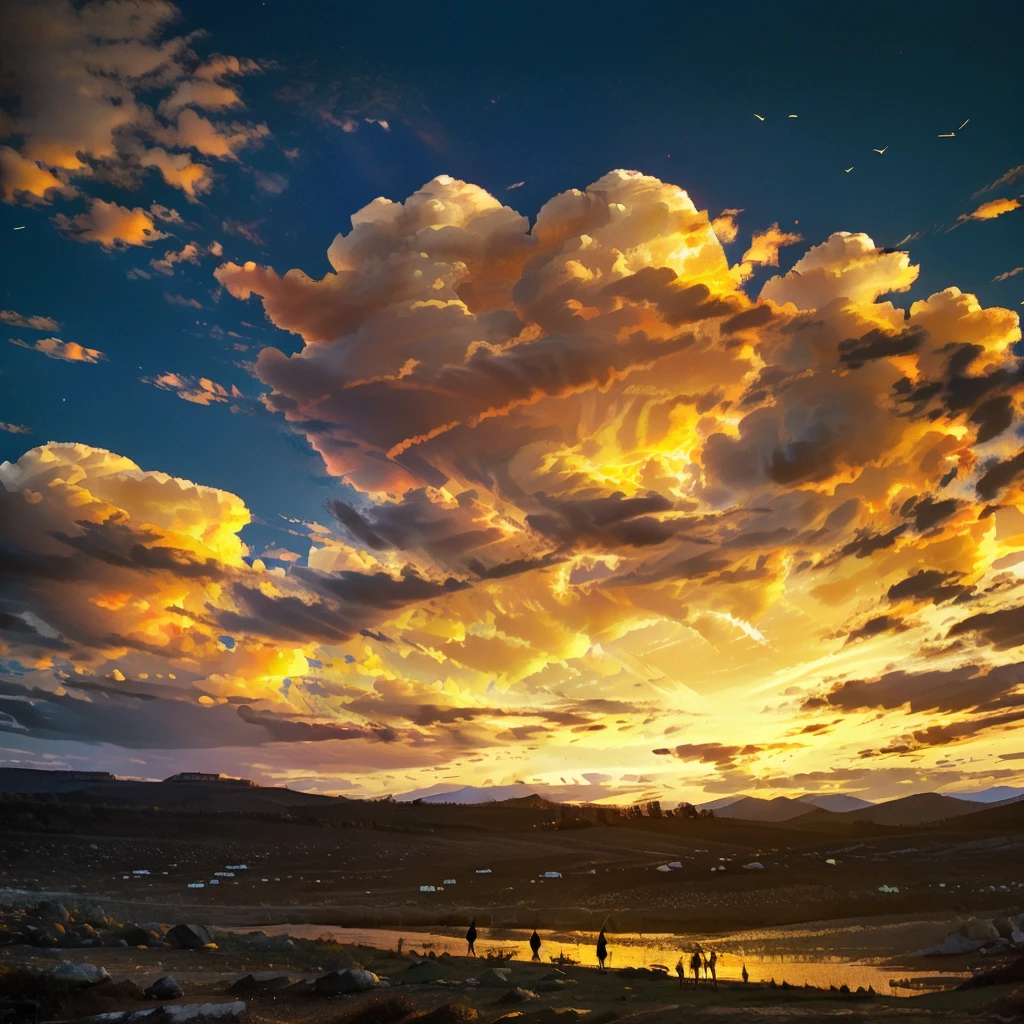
<point>209,777</point>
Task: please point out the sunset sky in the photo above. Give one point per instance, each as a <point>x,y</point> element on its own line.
<point>396,400</point>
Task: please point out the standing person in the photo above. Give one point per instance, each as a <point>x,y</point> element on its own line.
<point>602,949</point>
<point>471,938</point>
<point>535,944</point>
<point>695,967</point>
<point>744,975</point>
<point>681,971</point>
<point>712,965</point>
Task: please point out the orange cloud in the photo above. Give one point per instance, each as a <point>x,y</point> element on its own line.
<point>990,210</point>
<point>66,351</point>
<point>110,225</point>
<point>765,245</point>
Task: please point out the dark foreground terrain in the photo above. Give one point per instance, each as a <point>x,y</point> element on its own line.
<point>122,856</point>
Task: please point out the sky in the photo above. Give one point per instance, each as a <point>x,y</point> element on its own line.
<point>626,403</point>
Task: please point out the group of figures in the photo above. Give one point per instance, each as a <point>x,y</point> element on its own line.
<point>698,960</point>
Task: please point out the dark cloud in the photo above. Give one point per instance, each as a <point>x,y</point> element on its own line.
<point>876,626</point>
<point>879,344</point>
<point>291,729</point>
<point>1003,629</point>
<point>929,585</point>
<point>999,475</point>
<point>677,303</point>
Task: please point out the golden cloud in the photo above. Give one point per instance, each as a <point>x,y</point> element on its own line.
<point>66,351</point>
<point>992,209</point>
<point>112,226</point>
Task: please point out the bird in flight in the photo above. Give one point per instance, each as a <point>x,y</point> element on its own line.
<point>964,125</point>
<point>518,184</point>
<point>794,115</point>
<point>947,135</point>
<point>21,227</point>
<point>759,117</point>
<point>880,152</point>
<point>848,169</point>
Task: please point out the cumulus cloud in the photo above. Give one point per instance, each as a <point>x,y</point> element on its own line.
<point>576,462</point>
<point>765,245</point>
<point>104,93</point>
<point>111,225</point>
<point>66,351</point>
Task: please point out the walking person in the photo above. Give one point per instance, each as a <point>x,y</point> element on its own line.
<point>680,971</point>
<point>712,966</point>
<point>535,944</point>
<point>471,939</point>
<point>602,950</point>
<point>695,967</point>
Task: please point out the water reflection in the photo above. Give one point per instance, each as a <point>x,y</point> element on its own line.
<point>792,956</point>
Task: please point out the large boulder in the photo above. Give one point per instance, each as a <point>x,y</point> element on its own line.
<point>979,930</point>
<point>189,936</point>
<point>495,977</point>
<point>343,983</point>
<point>164,988</point>
<point>78,974</point>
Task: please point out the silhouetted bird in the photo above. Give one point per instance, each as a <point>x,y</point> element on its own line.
<point>471,938</point>
<point>535,944</point>
<point>744,975</point>
<point>602,949</point>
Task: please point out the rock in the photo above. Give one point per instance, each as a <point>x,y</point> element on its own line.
<point>135,935</point>
<point>954,944</point>
<point>517,995</point>
<point>49,954</point>
<point>252,983</point>
<point>555,985</point>
<point>420,974</point>
<point>189,936</point>
<point>1006,926</point>
<point>978,929</point>
<point>303,987</point>
<point>754,865</point>
<point>495,977</point>
<point>343,983</point>
<point>53,910</point>
<point>164,988</point>
<point>78,974</point>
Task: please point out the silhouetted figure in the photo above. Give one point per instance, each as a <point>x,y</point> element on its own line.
<point>712,964</point>
<point>535,944</point>
<point>471,938</point>
<point>695,967</point>
<point>681,971</point>
<point>744,975</point>
<point>602,949</point>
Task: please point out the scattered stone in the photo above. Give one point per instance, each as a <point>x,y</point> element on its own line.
<point>517,995</point>
<point>251,984</point>
<point>53,910</point>
<point>495,977</point>
<point>754,865</point>
<point>164,988</point>
<point>78,974</point>
<point>343,983</point>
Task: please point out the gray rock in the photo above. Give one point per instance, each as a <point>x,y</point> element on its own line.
<point>164,988</point>
<point>495,977</point>
<point>53,910</point>
<point>78,974</point>
<point>343,983</point>
<point>252,983</point>
<point>978,929</point>
<point>517,995</point>
<point>189,936</point>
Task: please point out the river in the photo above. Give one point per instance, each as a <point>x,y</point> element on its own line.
<point>853,954</point>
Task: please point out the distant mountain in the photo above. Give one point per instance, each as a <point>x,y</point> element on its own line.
<point>752,808</point>
<point>996,794</point>
<point>837,802</point>
<point>918,809</point>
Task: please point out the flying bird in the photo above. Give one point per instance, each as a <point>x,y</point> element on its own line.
<point>947,135</point>
<point>518,184</point>
<point>794,115</point>
<point>848,169</point>
<point>880,152</point>
<point>759,117</point>
<point>21,227</point>
<point>964,125</point>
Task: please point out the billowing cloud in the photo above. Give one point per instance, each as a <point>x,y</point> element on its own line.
<point>112,226</point>
<point>103,93</point>
<point>66,351</point>
<point>591,495</point>
<point>765,245</point>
